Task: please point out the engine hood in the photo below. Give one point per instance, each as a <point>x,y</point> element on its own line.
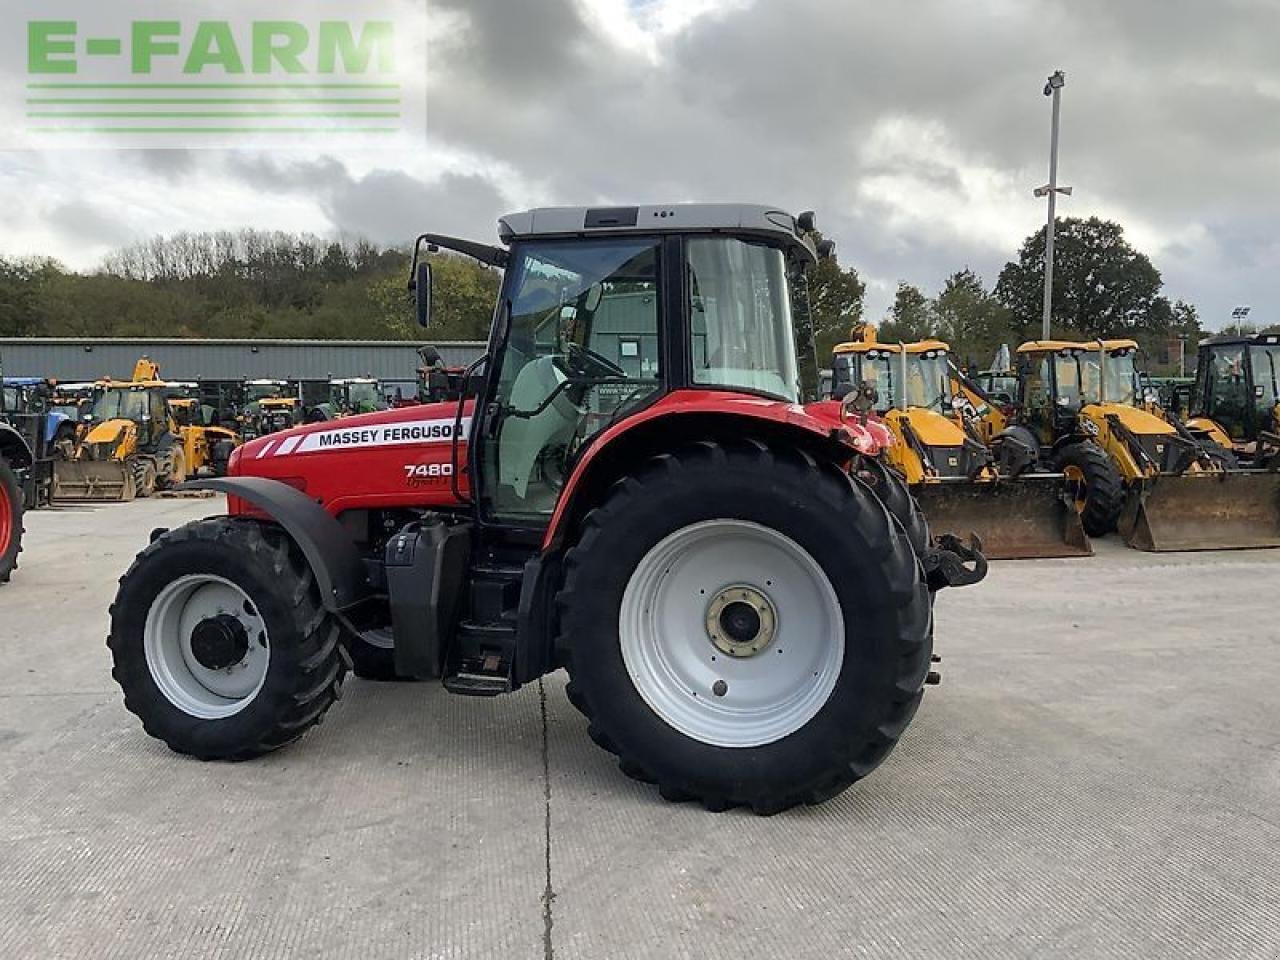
<point>404,426</point>
<point>1136,420</point>
<point>108,431</point>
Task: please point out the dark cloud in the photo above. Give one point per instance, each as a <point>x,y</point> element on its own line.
<point>93,226</point>
<point>917,131</point>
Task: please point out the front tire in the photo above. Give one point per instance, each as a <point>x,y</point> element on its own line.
<point>220,643</point>
<point>10,520</point>
<point>1096,486</point>
<point>745,626</point>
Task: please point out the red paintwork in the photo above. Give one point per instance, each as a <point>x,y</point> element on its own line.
<point>365,475</point>
<point>364,471</point>
<point>818,418</point>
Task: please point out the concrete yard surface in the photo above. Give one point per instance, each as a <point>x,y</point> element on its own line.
<point>1097,776</point>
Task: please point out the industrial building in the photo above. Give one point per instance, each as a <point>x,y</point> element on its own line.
<point>394,362</point>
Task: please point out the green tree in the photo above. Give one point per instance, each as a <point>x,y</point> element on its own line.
<point>970,319</point>
<point>462,297</point>
<point>1102,286</point>
<point>910,318</point>
<point>834,302</point>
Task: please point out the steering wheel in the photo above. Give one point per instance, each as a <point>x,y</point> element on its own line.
<point>584,362</point>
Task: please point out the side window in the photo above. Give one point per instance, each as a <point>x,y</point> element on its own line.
<point>1035,392</point>
<point>740,312</point>
<point>1230,390</point>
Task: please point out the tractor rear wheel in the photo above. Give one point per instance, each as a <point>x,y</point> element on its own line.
<point>10,520</point>
<point>897,499</point>
<point>745,626</point>
<point>220,643</point>
<point>1095,484</point>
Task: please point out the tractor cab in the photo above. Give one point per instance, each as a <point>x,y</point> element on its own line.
<point>356,395</point>
<point>1058,381</point>
<point>1236,395</point>
<point>600,321</point>
<point>141,403</point>
<point>902,375</point>
<point>267,407</point>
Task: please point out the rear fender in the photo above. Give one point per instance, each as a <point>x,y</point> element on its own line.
<point>329,550</point>
<point>13,447</point>
<point>660,430</point>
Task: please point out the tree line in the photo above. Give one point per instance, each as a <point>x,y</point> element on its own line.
<point>244,284</point>
<point>261,284</point>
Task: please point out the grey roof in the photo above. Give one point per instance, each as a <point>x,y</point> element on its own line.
<point>87,359</point>
<point>764,221</point>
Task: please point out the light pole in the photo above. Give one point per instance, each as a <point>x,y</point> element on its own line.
<point>1052,88</point>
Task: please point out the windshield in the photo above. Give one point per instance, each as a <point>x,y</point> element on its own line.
<point>112,404</point>
<point>878,369</point>
<point>264,391</point>
<point>1070,378</point>
<point>1121,379</point>
<point>582,351</point>
<point>929,380</point>
<point>740,303</point>
<point>364,397</point>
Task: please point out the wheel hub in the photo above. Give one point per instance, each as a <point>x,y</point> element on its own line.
<point>219,642</point>
<point>741,621</point>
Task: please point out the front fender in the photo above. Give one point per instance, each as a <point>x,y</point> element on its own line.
<point>329,551</point>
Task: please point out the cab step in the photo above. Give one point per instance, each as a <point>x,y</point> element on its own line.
<point>484,664</point>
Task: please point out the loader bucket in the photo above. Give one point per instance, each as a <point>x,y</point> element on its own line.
<point>1016,519</point>
<point>108,480</point>
<point>1235,510</point>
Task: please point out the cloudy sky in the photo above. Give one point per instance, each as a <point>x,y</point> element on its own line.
<point>917,130</point>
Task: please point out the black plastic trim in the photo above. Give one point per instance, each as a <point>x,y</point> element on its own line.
<point>329,550</point>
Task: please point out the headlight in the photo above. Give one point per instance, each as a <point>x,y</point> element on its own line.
<point>1088,427</point>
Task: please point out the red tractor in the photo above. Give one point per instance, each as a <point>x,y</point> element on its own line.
<point>629,488</point>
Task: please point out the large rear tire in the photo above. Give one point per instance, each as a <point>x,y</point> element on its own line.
<point>896,496</point>
<point>745,626</point>
<point>220,643</point>
<point>1096,484</point>
<point>10,520</point>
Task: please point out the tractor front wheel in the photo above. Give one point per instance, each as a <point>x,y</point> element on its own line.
<point>220,643</point>
<point>10,520</point>
<point>1094,484</point>
<point>745,626</point>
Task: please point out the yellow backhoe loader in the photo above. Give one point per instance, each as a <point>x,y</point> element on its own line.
<point>1235,401</point>
<point>1160,485</point>
<point>961,481</point>
<point>206,448</point>
<point>130,444</point>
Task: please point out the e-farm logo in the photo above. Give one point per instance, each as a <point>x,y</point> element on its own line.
<point>217,80</point>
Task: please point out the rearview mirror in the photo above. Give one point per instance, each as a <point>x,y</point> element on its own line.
<point>422,293</point>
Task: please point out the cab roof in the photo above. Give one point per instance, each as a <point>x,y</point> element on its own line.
<point>1042,346</point>
<point>920,346</point>
<point>738,218</point>
<point>1252,339</point>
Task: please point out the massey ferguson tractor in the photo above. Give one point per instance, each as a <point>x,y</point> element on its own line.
<point>632,490</point>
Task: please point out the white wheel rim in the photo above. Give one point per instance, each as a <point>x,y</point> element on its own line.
<point>190,685</point>
<point>686,679</point>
